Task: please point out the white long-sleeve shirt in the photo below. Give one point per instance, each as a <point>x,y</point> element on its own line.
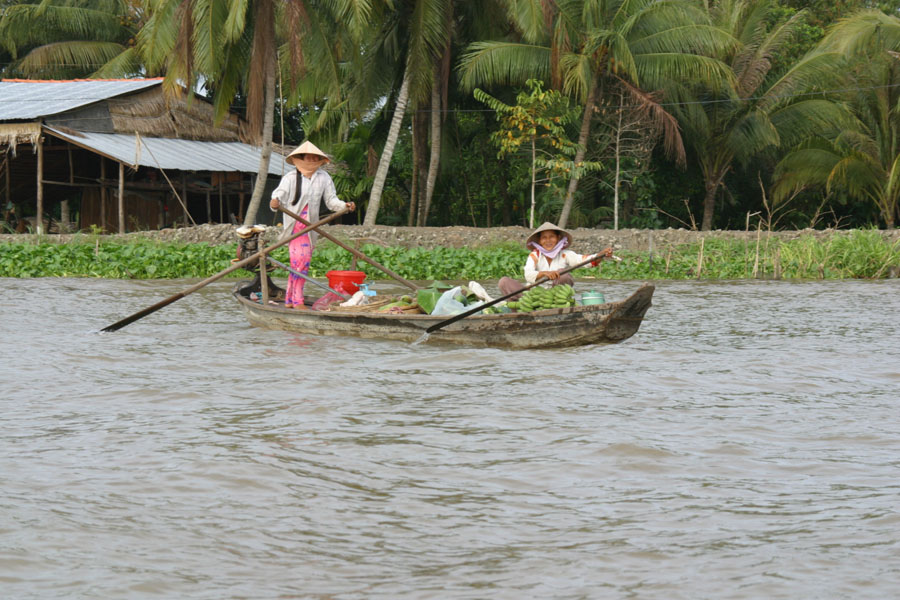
<point>538,262</point>
<point>315,189</point>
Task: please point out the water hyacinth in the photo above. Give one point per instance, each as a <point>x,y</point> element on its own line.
<point>860,254</point>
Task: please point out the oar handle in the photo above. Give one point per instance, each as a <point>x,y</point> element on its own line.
<point>351,250</point>
<point>481,307</point>
<point>238,265</point>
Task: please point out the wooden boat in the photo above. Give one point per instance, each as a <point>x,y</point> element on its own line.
<point>550,328</point>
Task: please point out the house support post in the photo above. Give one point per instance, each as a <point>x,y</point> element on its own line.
<point>40,185</point>
<point>64,216</point>
<point>102,195</point>
<point>121,197</point>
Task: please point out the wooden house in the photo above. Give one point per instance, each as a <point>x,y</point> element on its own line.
<point>121,155</point>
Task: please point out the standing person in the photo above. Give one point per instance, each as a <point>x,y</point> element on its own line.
<point>548,256</point>
<point>301,191</point>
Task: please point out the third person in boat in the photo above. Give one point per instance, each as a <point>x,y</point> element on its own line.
<point>301,191</point>
<point>548,256</point>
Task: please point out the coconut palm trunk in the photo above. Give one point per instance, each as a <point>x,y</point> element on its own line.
<point>266,151</point>
<point>712,186</point>
<point>580,152</point>
<point>435,151</point>
<point>385,162</point>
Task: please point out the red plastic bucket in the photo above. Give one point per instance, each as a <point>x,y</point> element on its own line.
<point>349,280</point>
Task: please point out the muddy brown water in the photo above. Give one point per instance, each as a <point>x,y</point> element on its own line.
<point>744,444</point>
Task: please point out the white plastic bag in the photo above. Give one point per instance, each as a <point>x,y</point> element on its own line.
<point>356,299</point>
<point>479,291</point>
<point>448,305</point>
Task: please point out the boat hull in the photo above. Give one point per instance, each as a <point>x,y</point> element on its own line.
<point>551,328</point>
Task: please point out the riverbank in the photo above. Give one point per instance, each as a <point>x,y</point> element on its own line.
<point>586,239</point>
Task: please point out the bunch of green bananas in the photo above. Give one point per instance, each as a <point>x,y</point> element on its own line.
<point>539,298</point>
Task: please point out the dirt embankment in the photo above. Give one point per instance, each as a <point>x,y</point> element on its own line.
<point>586,240</point>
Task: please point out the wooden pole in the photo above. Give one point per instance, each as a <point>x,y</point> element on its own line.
<point>7,166</point>
<point>208,208</point>
<point>121,197</point>
<point>64,216</point>
<point>102,195</point>
<point>221,206</point>
<point>184,196</point>
<point>263,278</point>
<point>700,259</point>
<point>40,185</point>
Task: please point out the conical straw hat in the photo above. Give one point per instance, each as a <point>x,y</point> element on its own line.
<point>306,147</point>
<point>547,226</point>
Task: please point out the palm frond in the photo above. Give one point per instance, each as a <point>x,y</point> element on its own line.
<point>754,69</point>
<point>427,38</point>
<point>858,141</point>
<point>529,17</point>
<point>690,39</point>
<point>656,70</point>
<point>577,75</point>
<point>156,39</point>
<point>858,32</point>
<point>815,71</point>
<point>502,63</point>
<point>802,168</point>
<point>808,118</point>
<point>750,134</point>
<point>236,23</point>
<point>125,64</point>
<point>208,41</point>
<point>858,175</point>
<point>62,58</point>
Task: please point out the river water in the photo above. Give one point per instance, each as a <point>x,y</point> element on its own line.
<point>744,444</point>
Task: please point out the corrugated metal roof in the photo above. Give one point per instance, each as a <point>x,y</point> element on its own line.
<point>167,153</point>
<point>25,99</point>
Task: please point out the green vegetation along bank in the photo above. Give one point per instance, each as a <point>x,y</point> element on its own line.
<point>859,254</point>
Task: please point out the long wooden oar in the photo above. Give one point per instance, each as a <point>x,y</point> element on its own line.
<point>238,265</point>
<point>352,251</point>
<point>481,307</point>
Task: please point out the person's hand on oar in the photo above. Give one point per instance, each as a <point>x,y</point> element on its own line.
<point>274,205</point>
<point>608,253</point>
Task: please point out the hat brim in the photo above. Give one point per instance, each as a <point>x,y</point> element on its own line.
<point>536,235</point>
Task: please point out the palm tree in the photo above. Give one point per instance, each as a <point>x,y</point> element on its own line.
<point>863,157</point>
<point>581,45</point>
<point>756,112</point>
<point>234,46</point>
<point>66,39</point>
<point>422,25</point>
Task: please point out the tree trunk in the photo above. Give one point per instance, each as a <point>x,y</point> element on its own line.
<point>580,152</point>
<point>64,216</point>
<point>433,163</point>
<point>709,206</point>
<point>533,158</point>
<point>266,149</point>
<point>414,172</point>
<point>506,207</point>
<point>387,153</point>
<point>618,170</point>
<point>420,162</point>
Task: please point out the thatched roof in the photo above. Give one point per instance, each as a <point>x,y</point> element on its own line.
<point>154,114</point>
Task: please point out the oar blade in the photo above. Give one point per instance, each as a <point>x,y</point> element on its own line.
<point>141,314</point>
